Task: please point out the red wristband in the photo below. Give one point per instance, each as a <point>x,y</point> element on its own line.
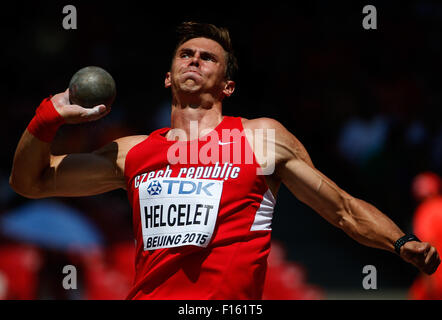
<point>46,121</point>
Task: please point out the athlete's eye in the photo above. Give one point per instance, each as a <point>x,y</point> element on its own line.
<point>208,57</point>
<point>185,54</point>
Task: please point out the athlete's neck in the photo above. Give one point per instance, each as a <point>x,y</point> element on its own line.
<point>195,118</point>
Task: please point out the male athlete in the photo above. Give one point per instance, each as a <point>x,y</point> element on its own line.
<point>202,192</point>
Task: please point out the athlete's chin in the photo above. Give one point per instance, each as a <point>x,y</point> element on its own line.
<point>190,88</point>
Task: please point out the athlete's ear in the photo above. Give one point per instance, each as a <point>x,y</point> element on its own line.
<point>229,88</point>
<point>167,81</point>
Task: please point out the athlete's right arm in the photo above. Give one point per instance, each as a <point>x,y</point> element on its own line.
<point>38,174</point>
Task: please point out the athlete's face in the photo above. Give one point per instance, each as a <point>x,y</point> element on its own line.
<point>199,66</point>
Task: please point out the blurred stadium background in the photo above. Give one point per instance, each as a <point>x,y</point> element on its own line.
<point>365,103</point>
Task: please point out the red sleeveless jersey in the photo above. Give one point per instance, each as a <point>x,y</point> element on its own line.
<point>201,216</point>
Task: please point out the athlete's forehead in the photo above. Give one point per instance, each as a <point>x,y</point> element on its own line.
<point>202,45</point>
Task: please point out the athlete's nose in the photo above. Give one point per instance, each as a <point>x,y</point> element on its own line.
<point>195,61</point>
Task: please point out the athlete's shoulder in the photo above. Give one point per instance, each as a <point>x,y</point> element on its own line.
<point>261,123</point>
<point>130,140</point>
<point>287,145</point>
<point>120,146</point>
<point>125,144</point>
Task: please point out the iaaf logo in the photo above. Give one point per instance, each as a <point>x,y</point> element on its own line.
<point>154,188</point>
<point>230,147</point>
<point>182,187</point>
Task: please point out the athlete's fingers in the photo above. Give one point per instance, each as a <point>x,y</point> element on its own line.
<point>429,254</point>
<point>74,114</point>
<point>432,261</point>
<point>422,255</point>
<point>425,257</point>
<point>95,113</point>
<point>413,250</point>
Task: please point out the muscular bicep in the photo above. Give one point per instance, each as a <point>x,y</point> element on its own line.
<point>84,174</point>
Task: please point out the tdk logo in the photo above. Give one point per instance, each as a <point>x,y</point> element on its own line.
<point>154,188</point>
<point>188,187</point>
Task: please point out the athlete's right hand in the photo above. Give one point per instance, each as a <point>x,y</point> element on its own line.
<point>73,113</point>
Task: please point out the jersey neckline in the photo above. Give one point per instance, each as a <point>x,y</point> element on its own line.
<point>160,133</point>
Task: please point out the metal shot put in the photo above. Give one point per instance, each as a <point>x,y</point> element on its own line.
<point>91,86</point>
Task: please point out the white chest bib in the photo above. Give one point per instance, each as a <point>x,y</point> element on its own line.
<point>178,212</point>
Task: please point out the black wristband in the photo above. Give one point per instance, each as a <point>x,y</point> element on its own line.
<point>402,240</point>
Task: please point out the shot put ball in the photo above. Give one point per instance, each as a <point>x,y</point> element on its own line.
<point>91,86</point>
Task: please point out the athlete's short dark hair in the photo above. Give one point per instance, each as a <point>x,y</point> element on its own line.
<point>189,30</point>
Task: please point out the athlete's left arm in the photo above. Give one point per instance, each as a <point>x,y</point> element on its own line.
<point>357,218</point>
